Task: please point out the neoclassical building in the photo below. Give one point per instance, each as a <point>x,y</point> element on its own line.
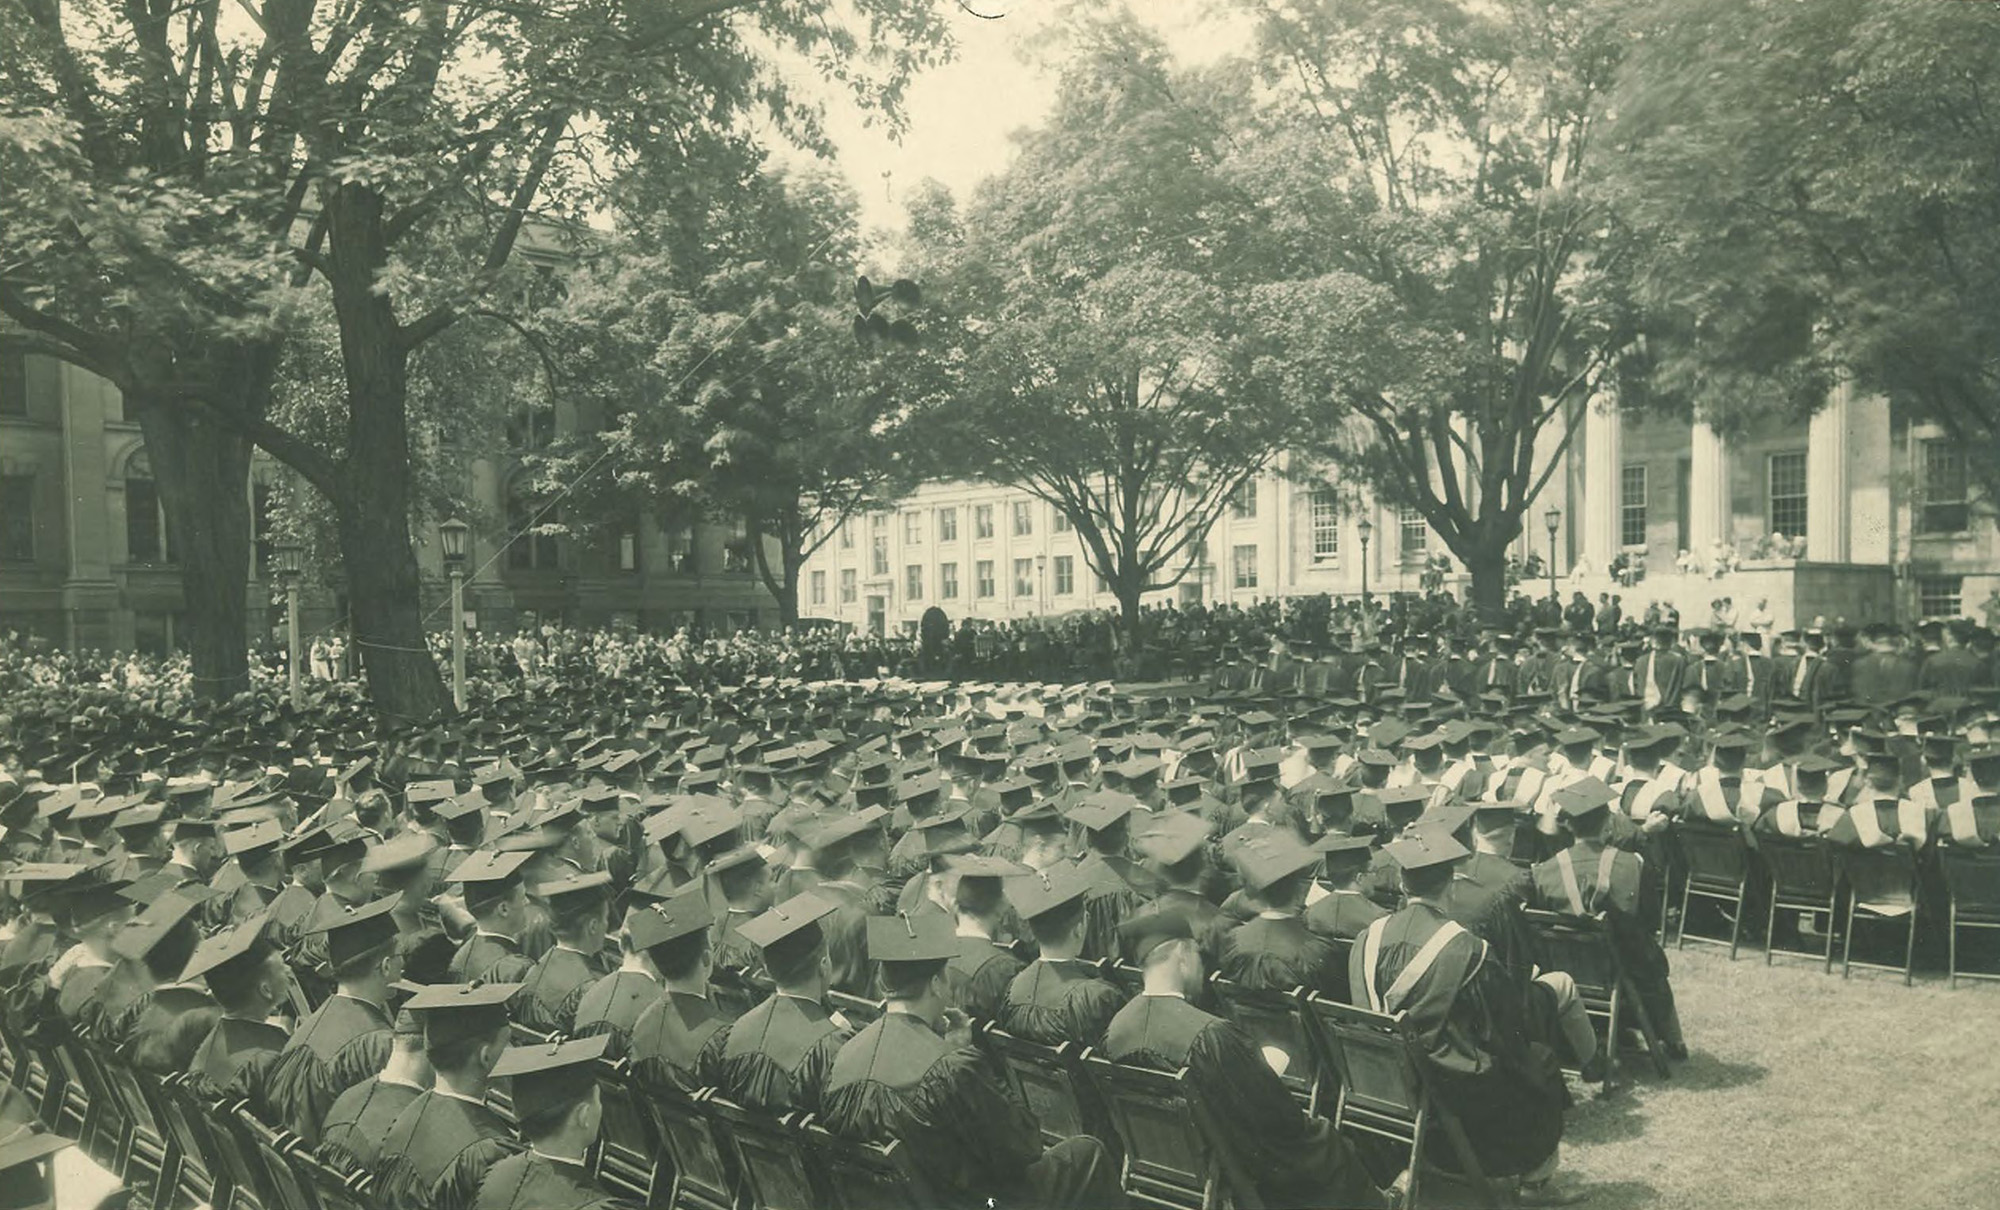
<point>86,560</point>
<point>1860,513</point>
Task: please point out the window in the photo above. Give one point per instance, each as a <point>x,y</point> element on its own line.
<point>262,501</point>
<point>982,521</point>
<point>947,525</point>
<point>528,551</point>
<point>628,545</point>
<point>913,582</point>
<point>1024,518</point>
<point>532,428</point>
<point>982,573</point>
<point>1788,494</point>
<point>1943,488</point>
<point>1103,585</point>
<point>1325,527</point>
<point>1939,596</point>
<point>1244,563</point>
<point>145,524</point>
<point>878,545</point>
<point>681,548</point>
<point>17,518</point>
<point>1243,501</point>
<point>1024,577</point>
<point>948,581</point>
<point>1412,532</point>
<point>1065,575</point>
<point>850,592</point>
<point>847,535</point>
<point>1061,523</point>
<point>1632,506</point>
<point>819,588</point>
<point>13,379</point>
<point>913,528</point>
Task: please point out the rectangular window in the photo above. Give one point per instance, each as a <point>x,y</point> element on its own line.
<point>850,592</point>
<point>681,548</point>
<point>913,582</point>
<point>1243,501</point>
<point>1788,494</point>
<point>1024,518</point>
<point>1632,506</point>
<point>847,535</point>
<point>1325,527</point>
<point>819,588</point>
<point>878,558</point>
<point>913,528</point>
<point>1244,564</point>
<point>1940,596</point>
<point>1412,532</point>
<point>948,581</point>
<point>628,547</point>
<point>1065,575</point>
<point>17,518</point>
<point>13,378</point>
<point>948,525</point>
<point>1943,487</point>
<point>982,572</point>
<point>1103,585</point>
<point>262,502</point>
<point>1061,522</point>
<point>982,521</point>
<point>1024,577</point>
<point>144,540</point>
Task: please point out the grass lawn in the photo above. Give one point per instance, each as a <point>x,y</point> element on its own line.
<point>1804,1090</point>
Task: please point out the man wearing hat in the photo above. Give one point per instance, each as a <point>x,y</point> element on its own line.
<point>141,1006</point>
<point>777,1055</point>
<point>1463,1010</point>
<point>913,1076</point>
<point>499,906</point>
<point>1293,1160</point>
<point>1592,877</point>
<point>1662,673</point>
<point>1274,950</point>
<point>344,1040</point>
<point>360,1118</point>
<point>560,1109</point>
<point>27,1166</point>
<point>552,986</point>
<point>1175,844</point>
<point>676,1039</point>
<point>247,977</point>
<point>1059,997</point>
<point>442,1145</point>
<point>977,976</point>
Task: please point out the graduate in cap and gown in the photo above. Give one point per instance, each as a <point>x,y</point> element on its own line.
<point>359,1121</point>
<point>677,1036</point>
<point>345,1040</point>
<point>578,905</point>
<point>248,978</point>
<point>776,1056</point>
<point>977,975</point>
<point>442,1145</point>
<point>1060,996</point>
<point>499,906</point>
<point>556,1097</point>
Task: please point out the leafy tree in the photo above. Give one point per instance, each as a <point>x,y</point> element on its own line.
<point>349,135</point>
<point>716,339</point>
<point>1089,347</point>
<point>1820,186</point>
<point>1445,280</point>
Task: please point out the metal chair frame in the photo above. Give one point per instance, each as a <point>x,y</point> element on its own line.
<point>1903,888</point>
<point>1803,879</point>
<point>1972,898</point>
<point>1703,883</point>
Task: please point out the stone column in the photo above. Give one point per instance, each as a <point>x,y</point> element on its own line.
<point>90,596</point>
<point>1602,476</point>
<point>1711,515</point>
<point>1826,476</point>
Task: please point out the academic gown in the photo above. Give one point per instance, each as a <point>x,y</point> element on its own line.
<point>439,1150</point>
<point>161,1031</point>
<point>678,1039</point>
<point>898,1080</point>
<point>1059,1000</point>
<point>532,1181</point>
<point>552,987</point>
<point>338,1045</point>
<point>976,977</point>
<point>613,1005</point>
<point>777,1055</point>
<point>1613,889</point>
<point>491,958</point>
<point>360,1120</point>
<point>1341,915</point>
<point>1278,953</point>
<point>1294,1160</point>
<point>234,1060</point>
<point>1205,919</point>
<point>1464,1013</point>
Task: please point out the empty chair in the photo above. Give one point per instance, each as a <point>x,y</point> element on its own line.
<point>1803,879</point>
<point>694,1148</point>
<point>628,1159</point>
<point>1881,886</point>
<point>1275,1021</point>
<point>1717,865</point>
<point>770,1155</point>
<point>1048,1080</point>
<point>1972,890</point>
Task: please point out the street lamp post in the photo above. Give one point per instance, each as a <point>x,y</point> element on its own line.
<point>1366,530</point>
<point>452,534</point>
<point>1554,518</point>
<point>290,560</point>
<point>1041,583</point>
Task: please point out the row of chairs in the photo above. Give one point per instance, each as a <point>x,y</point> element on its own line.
<point>1848,886</point>
<point>169,1143</point>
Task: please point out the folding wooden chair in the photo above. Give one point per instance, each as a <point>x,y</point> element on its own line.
<point>1171,1159</point>
<point>693,1149</point>
<point>1275,1020</point>
<point>1383,1092</point>
<point>770,1155</point>
<point>1717,863</point>
<point>1972,896</point>
<point>1881,886</point>
<point>290,1190</point>
<point>1803,879</point>
<point>627,1158</point>
<point>1047,1079</point>
<point>867,1176</point>
<point>1582,948</point>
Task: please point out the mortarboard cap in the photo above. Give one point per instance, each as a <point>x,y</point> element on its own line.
<point>551,1076</point>
<point>457,1011</point>
<point>1264,860</point>
<point>258,837</point>
<point>150,927</point>
<point>398,852</point>
<point>228,946</point>
<point>353,929</point>
<point>1170,838</point>
<point>785,920</point>
<point>1427,848</point>
<point>1146,932</point>
<point>1046,890</point>
<point>1581,797</point>
<point>670,919</point>
<point>923,937</point>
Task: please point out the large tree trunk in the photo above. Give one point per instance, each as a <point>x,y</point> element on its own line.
<point>372,509</point>
<point>203,474</point>
<point>1488,565</point>
<point>782,581</point>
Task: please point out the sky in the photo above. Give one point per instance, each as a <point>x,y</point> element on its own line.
<point>962,112</point>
